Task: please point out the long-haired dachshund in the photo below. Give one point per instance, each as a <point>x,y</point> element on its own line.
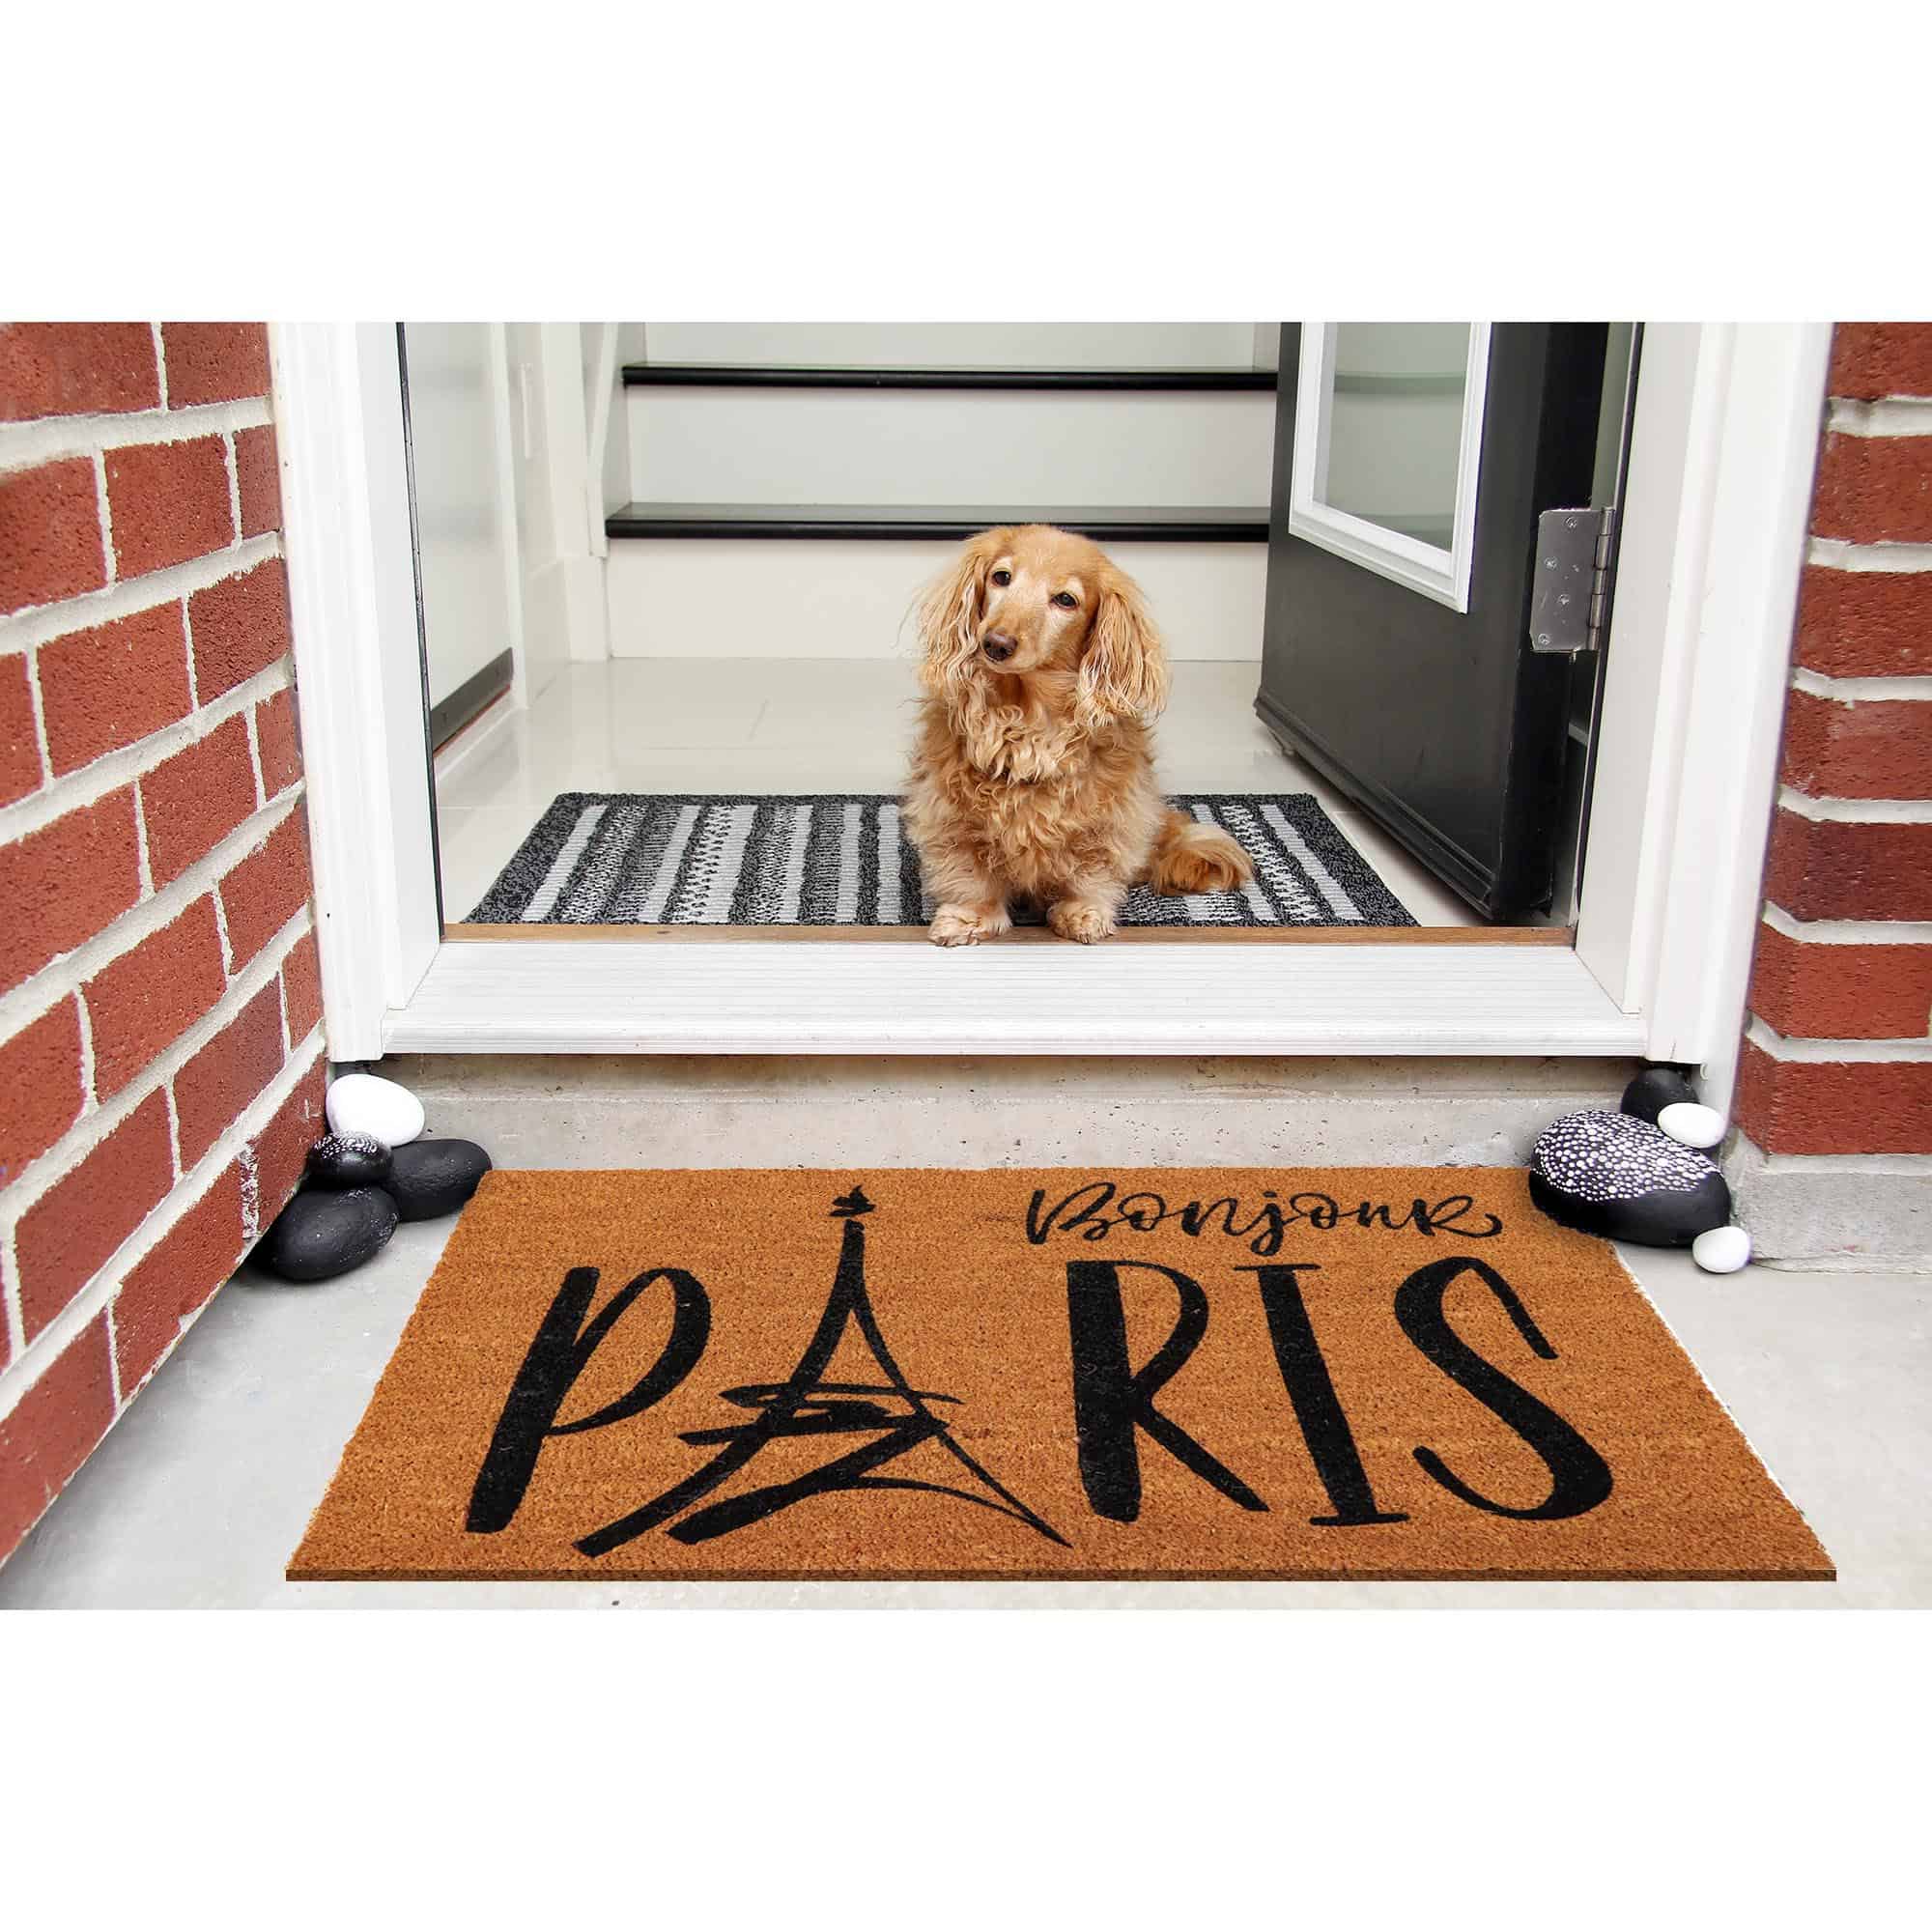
<point>1033,777</point>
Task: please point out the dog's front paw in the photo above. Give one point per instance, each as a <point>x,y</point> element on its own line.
<point>965,925</point>
<point>1081,920</point>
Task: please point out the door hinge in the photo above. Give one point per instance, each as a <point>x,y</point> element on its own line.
<point>1570,603</point>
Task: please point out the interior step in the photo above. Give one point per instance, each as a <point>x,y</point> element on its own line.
<point>855,375</point>
<point>880,439</point>
<point>931,523</point>
<point>985,345</point>
<point>833,595</point>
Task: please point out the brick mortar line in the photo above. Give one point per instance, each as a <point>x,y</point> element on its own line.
<point>1854,811</point>
<point>38,706</point>
<point>255,756</point>
<point>20,1005</point>
<point>1848,931</point>
<point>46,1171</point>
<point>188,644</point>
<point>1861,690</point>
<point>1885,559</point>
<point>1798,1050</point>
<point>91,782</point>
<point>234,462</point>
<point>222,932</point>
<point>1762,1163</point>
<point>144,864</point>
<point>89,1097</point>
<point>27,445</point>
<point>127,597</point>
<point>28,1365</point>
<point>160,361</point>
<point>113,1369</point>
<point>1891,416</point>
<point>103,511</point>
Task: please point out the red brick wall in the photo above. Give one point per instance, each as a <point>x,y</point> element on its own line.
<point>1836,1058</point>
<point>160,1042</point>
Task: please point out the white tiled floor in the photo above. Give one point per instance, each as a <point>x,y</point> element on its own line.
<point>767,724</point>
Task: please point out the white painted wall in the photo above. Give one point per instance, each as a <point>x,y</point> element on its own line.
<point>607,346</point>
<point>562,588</point>
<point>467,541</point>
<point>752,598</point>
<point>1220,345</point>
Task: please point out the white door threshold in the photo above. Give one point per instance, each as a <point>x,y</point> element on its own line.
<point>644,996</point>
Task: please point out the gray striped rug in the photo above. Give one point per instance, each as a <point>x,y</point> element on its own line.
<point>627,859</point>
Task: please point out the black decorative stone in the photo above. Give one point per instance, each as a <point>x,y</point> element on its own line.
<point>323,1232</point>
<point>348,1160</point>
<point>1619,1177</point>
<point>1655,1089</point>
<point>431,1177</point>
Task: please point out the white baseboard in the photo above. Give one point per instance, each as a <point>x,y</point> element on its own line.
<point>754,598</point>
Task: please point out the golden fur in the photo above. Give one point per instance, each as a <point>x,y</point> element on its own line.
<point>1033,776</point>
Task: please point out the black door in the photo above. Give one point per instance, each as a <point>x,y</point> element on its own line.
<point>1395,657</point>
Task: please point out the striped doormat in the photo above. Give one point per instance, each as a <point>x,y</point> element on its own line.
<point>828,858</point>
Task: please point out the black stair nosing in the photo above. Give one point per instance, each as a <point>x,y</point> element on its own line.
<point>853,376</point>
<point>872,521</point>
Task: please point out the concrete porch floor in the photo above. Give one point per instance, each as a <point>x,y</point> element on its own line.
<point>199,1495</point>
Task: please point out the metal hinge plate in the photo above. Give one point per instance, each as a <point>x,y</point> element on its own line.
<point>1571,598</point>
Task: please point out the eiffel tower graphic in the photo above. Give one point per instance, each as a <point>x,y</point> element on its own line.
<point>894,1415</point>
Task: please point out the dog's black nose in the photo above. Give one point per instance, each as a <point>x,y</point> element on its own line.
<point>999,646</point>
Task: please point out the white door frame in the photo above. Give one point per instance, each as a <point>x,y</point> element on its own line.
<point>1723,446</point>
<point>1723,442</point>
<point>364,727</point>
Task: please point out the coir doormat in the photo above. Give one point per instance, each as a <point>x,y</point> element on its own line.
<point>824,860</point>
<point>1188,1373</point>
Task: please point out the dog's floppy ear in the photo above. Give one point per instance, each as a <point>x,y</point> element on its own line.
<point>1125,671</point>
<point>948,616</point>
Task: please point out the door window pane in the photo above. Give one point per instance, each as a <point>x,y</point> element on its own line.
<point>1395,425</point>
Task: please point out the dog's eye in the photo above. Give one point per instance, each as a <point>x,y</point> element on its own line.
<point>1003,577</point>
<point>1066,600</point>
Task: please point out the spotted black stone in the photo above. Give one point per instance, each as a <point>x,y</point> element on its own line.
<point>1622,1178</point>
<point>348,1160</point>
<point>431,1177</point>
<point>324,1232</point>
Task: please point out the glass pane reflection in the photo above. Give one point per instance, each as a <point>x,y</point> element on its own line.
<point>1395,425</point>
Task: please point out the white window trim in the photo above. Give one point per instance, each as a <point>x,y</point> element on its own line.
<point>1441,575</point>
<point>1724,442</point>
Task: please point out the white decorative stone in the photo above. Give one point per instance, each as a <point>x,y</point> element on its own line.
<point>365,1103</point>
<point>1722,1250</point>
<point>1694,1125</point>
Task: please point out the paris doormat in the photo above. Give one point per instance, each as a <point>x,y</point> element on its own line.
<point>1167,1373</point>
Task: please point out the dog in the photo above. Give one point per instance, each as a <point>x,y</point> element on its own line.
<point>1032,770</point>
